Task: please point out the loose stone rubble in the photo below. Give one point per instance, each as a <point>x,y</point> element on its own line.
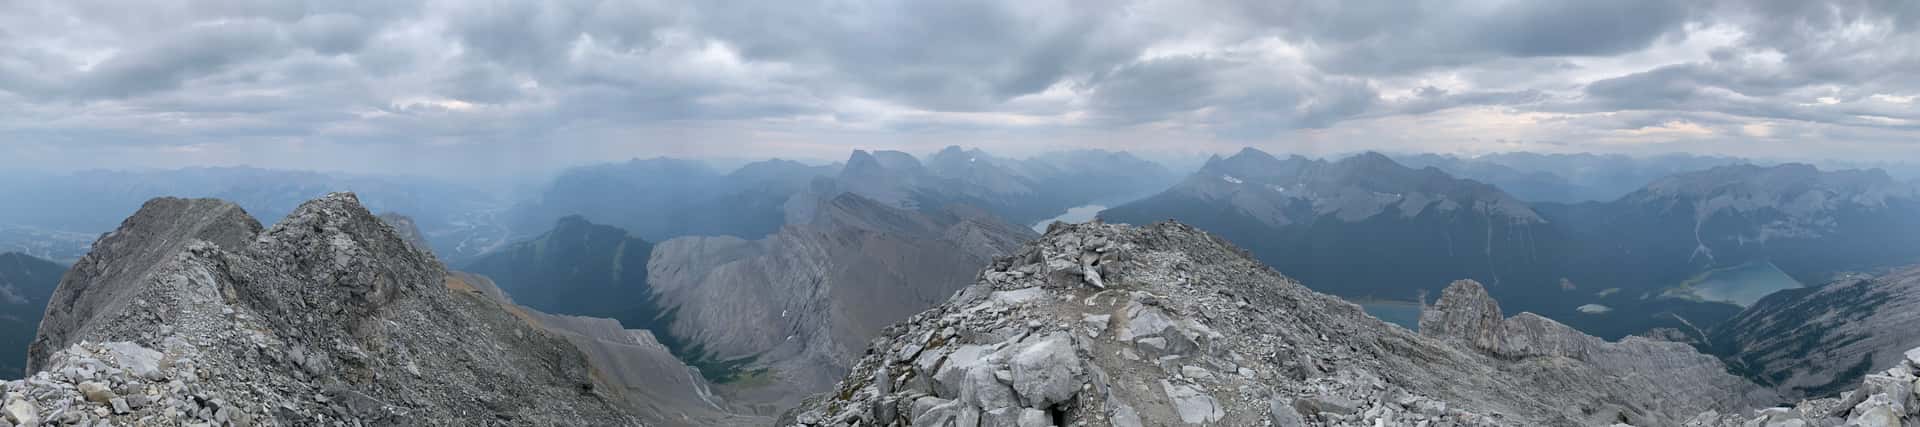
<point>1183,329</point>
<point>1890,398</point>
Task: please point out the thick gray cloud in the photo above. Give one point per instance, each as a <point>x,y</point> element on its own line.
<point>497,85</point>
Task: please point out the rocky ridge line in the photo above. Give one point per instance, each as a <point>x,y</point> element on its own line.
<point>1191,331</point>
<point>189,314</point>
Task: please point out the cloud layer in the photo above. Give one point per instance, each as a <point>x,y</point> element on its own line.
<point>450,87</point>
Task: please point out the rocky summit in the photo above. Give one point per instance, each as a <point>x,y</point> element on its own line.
<point>1101,324</point>
<point>191,314</point>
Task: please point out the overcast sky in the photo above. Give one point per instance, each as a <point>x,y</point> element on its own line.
<point>477,87</point>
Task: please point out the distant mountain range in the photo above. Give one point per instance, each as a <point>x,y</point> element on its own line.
<point>1336,222</point>
<point>1567,178</point>
<point>1369,227</point>
<point>71,209</point>
<point>773,316</point>
<point>661,198</point>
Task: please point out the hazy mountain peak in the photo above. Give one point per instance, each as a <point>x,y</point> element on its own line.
<point>1251,163</point>
<point>1250,151</point>
<point>900,160</point>
<point>773,164</point>
<point>1249,156</point>
<point>954,157</point>
<point>1802,193</point>
<point>952,150</point>
<point>671,164</point>
<point>1783,178</point>
<point>880,163</point>
<point>1371,160</point>
<point>861,158</point>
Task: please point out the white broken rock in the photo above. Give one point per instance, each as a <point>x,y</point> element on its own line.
<point>1047,372</point>
<point>22,411</point>
<point>1194,405</point>
<point>1096,323</point>
<point>143,362</point>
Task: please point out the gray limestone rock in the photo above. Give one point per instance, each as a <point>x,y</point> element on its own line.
<point>1047,372</point>
<point>1283,414</point>
<point>1193,405</point>
<point>328,317</point>
<point>1186,310</point>
<point>1681,379</point>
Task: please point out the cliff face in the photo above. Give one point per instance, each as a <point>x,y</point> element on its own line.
<point>191,313</point>
<point>26,283</point>
<point>1100,324</point>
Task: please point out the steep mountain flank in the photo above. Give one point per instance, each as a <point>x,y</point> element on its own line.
<point>1816,342</point>
<point>796,307</point>
<point>191,313</point>
<point>109,279</point>
<point>25,285</point>
<point>1813,224</point>
<point>636,367</point>
<point>1100,324</point>
<point>577,268</point>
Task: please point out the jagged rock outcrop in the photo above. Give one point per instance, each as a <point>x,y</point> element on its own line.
<point>190,313</point>
<point>1192,331</point>
<point>1680,379</point>
<point>1815,342</point>
<point>800,304</point>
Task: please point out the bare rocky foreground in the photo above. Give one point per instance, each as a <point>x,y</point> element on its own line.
<point>191,314</point>
<point>1102,324</point>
